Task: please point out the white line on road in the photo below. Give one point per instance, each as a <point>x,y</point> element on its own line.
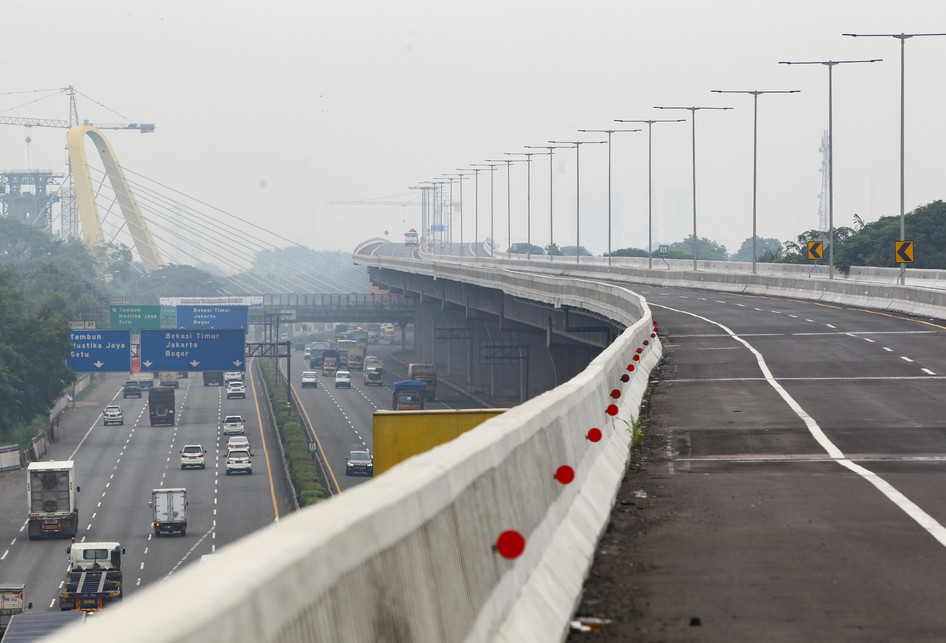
<point>906,359</point>
<point>923,519</point>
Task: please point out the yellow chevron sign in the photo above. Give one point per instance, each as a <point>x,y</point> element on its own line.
<point>815,250</point>
<point>904,251</point>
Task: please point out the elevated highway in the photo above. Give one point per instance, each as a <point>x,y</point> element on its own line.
<point>410,555</point>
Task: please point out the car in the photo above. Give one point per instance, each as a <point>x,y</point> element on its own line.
<point>236,389</point>
<point>192,455</point>
<point>342,379</point>
<point>233,425</point>
<point>131,388</point>
<point>239,461</point>
<point>238,442</point>
<point>113,415</point>
<point>232,376</point>
<point>359,462</point>
<point>310,379</point>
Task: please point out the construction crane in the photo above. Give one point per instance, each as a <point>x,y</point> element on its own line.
<point>79,202</point>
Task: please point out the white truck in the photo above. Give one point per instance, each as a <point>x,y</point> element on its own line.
<point>168,378</point>
<point>94,576</point>
<point>11,603</point>
<point>169,511</point>
<point>51,499</point>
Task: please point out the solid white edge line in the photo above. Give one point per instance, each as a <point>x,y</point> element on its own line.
<point>927,522</point>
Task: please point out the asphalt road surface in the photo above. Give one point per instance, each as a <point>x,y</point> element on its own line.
<point>791,484</point>
<point>117,467</point>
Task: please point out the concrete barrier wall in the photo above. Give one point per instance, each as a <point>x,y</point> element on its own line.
<point>410,555</point>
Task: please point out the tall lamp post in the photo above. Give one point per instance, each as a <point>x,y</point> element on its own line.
<point>609,133</point>
<point>492,171</point>
<point>508,163</point>
<point>551,166</point>
<point>528,161</point>
<point>755,93</point>
<point>459,176</point>
<point>650,182</point>
<point>830,65</point>
<point>578,145</point>
<point>476,205</point>
<point>693,110</point>
<point>902,37</point>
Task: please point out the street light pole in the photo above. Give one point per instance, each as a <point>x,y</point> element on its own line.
<point>476,205</point>
<point>650,183</point>
<point>460,179</point>
<point>508,163</point>
<point>551,219</point>
<point>609,133</point>
<point>693,110</point>
<point>755,146</point>
<point>492,236</point>
<point>528,160</point>
<point>577,145</point>
<point>830,65</point>
<point>902,37</point>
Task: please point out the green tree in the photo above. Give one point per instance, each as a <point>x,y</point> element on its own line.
<point>764,247</point>
<point>629,252</point>
<point>705,249</point>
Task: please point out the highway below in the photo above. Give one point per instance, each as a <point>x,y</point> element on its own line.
<point>343,418</point>
<point>118,466</point>
<point>790,487</point>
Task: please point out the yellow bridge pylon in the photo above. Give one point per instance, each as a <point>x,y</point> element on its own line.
<point>85,196</point>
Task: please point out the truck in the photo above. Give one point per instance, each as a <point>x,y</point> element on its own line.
<point>213,378</point>
<point>426,373</point>
<point>168,378</point>
<point>316,351</point>
<point>408,395</point>
<point>329,363</point>
<point>374,373</point>
<point>94,576</point>
<point>145,380</point>
<point>411,237</point>
<point>161,406</point>
<point>11,603</point>
<point>37,626</point>
<point>51,499</point>
<point>356,358</point>
<point>169,511</point>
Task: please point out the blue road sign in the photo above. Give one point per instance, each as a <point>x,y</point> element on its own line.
<point>211,317</point>
<point>100,351</point>
<point>192,349</point>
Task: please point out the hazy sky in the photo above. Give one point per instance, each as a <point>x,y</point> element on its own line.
<point>268,110</point>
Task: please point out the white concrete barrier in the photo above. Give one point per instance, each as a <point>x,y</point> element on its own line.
<point>410,555</point>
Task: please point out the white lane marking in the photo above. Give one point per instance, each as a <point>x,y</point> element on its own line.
<point>189,552</point>
<point>927,371</point>
<point>889,350</point>
<point>830,326</point>
<point>906,359</point>
<point>923,519</point>
<point>4,554</point>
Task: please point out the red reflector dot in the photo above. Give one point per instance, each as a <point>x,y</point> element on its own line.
<point>630,367</point>
<point>510,544</point>
<point>565,474</point>
<point>653,334</point>
<point>594,435</point>
<point>612,409</point>
<point>640,350</point>
<point>615,394</point>
<point>625,377</point>
<point>647,341</point>
<point>637,358</point>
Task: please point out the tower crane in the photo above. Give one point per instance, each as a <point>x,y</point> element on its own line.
<point>80,198</point>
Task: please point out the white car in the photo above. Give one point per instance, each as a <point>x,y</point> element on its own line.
<point>192,455</point>
<point>236,389</point>
<point>233,425</point>
<point>310,379</point>
<point>342,379</point>
<point>239,461</point>
<point>113,415</point>
<point>238,442</point>
<point>232,376</point>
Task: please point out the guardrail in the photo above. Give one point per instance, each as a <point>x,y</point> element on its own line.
<point>412,554</point>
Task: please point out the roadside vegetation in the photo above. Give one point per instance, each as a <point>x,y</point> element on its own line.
<point>303,471</point>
